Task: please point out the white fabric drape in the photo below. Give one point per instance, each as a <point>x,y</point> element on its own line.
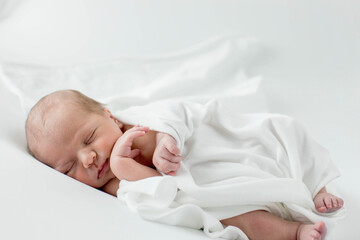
<point>232,164</point>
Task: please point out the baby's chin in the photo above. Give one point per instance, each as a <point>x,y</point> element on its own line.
<point>108,177</point>
<point>103,181</point>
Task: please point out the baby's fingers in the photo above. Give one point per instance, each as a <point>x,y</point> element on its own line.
<point>166,166</point>
<point>170,157</point>
<point>134,153</point>
<point>123,145</point>
<point>131,134</point>
<point>138,128</point>
<point>172,148</point>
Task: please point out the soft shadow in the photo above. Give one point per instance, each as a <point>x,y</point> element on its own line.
<point>261,56</point>
<point>17,137</point>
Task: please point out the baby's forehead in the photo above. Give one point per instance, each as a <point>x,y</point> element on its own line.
<point>63,100</point>
<point>65,115</point>
<point>52,118</point>
<point>59,126</point>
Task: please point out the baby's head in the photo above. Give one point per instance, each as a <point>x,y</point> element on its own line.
<point>73,134</point>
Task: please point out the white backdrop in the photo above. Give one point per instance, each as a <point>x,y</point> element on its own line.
<point>311,63</point>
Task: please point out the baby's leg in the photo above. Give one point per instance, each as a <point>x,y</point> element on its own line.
<point>263,225</point>
<point>326,202</point>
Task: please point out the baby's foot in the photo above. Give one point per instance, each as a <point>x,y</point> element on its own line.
<point>326,202</point>
<point>315,231</point>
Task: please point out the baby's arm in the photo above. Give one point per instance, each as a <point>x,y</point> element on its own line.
<point>166,156</point>
<point>122,161</point>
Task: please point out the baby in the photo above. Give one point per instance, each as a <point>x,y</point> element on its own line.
<point>79,137</point>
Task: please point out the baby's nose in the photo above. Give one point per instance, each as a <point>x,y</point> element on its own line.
<point>90,159</point>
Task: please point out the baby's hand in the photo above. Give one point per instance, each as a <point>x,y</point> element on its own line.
<point>122,162</point>
<point>166,156</point>
<point>123,145</point>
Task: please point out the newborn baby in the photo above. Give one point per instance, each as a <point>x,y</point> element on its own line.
<point>79,137</point>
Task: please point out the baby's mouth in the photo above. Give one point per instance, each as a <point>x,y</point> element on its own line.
<point>103,168</point>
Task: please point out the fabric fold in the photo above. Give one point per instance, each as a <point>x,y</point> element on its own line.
<point>232,164</point>
<point>157,192</point>
<point>155,199</point>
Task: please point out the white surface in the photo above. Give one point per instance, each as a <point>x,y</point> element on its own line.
<point>311,72</point>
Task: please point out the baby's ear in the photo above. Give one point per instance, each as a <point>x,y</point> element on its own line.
<point>109,114</point>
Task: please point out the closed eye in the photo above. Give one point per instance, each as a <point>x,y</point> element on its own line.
<point>72,165</point>
<point>91,138</point>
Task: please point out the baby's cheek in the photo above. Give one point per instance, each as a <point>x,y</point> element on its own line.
<point>86,179</point>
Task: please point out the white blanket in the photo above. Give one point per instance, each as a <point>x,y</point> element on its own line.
<point>232,164</point>
<point>215,68</point>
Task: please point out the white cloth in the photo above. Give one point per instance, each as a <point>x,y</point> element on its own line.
<point>232,164</point>
<point>216,67</point>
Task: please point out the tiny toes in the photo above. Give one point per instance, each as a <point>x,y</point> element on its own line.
<point>315,231</point>
<point>315,234</point>
<point>334,203</point>
<point>172,173</point>
<point>326,203</point>
<point>322,209</point>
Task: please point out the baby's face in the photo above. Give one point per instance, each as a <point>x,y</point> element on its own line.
<point>79,144</point>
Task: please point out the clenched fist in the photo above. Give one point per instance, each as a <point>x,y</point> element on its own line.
<point>166,156</point>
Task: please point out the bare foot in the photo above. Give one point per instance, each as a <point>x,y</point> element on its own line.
<point>315,231</point>
<point>326,202</point>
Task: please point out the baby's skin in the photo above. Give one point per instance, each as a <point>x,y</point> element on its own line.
<point>315,231</point>
<point>165,156</point>
<point>263,225</point>
<point>324,203</point>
